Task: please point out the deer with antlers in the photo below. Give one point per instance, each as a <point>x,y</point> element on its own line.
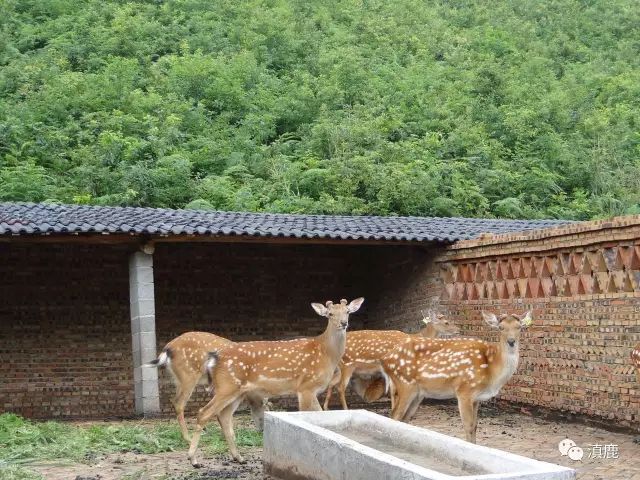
<point>467,369</point>
<point>365,350</point>
<point>302,366</point>
<point>184,357</point>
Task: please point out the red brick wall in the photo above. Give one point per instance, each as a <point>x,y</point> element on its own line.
<point>65,347</point>
<point>65,342</point>
<point>407,281</point>
<point>583,284</point>
<point>252,292</point>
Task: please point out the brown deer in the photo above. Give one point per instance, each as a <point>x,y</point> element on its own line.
<point>365,349</point>
<point>467,369</point>
<point>184,357</point>
<point>302,366</point>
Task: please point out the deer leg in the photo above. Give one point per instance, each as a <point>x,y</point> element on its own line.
<point>206,413</point>
<point>225,418</point>
<point>308,401</point>
<point>257,405</point>
<point>345,376</point>
<point>392,395</point>
<point>184,390</point>
<point>334,381</point>
<point>468,416</point>
<point>476,407</point>
<point>406,395</point>
<point>412,408</point>
<point>327,398</point>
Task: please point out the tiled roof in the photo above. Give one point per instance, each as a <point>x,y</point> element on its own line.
<point>37,219</point>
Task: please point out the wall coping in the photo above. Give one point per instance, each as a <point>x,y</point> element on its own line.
<point>533,239</point>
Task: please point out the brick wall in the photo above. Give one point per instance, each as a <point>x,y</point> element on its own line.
<point>583,284</point>
<point>65,343</point>
<point>252,292</point>
<point>406,281</point>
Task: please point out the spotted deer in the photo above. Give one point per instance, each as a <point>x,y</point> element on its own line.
<point>302,366</point>
<point>184,357</point>
<point>467,369</point>
<point>364,351</point>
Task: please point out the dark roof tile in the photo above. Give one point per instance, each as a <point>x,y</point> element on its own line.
<point>36,218</point>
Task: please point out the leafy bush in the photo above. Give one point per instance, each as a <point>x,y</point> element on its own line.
<point>510,109</point>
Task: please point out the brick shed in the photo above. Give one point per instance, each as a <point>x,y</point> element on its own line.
<point>88,294</point>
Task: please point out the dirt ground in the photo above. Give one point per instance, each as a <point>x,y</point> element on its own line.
<point>519,433</point>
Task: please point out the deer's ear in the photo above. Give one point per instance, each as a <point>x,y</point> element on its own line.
<point>490,319</point>
<point>354,306</point>
<point>320,309</point>
<point>525,319</point>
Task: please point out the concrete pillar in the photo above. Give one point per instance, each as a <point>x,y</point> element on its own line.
<point>143,331</point>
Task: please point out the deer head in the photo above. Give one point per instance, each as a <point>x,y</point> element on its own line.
<point>510,326</point>
<point>338,314</point>
<point>439,324</point>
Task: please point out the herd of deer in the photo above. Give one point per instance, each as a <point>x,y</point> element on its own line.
<point>409,367</point>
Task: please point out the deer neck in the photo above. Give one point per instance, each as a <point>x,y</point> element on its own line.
<point>334,341</point>
<point>428,332</point>
<point>505,363</point>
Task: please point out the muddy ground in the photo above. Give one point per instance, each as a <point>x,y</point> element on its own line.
<point>517,432</point>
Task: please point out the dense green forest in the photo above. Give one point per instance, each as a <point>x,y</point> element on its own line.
<point>525,108</point>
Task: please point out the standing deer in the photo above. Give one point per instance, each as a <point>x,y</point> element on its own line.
<point>303,366</point>
<point>184,357</point>
<point>469,370</point>
<point>365,350</point>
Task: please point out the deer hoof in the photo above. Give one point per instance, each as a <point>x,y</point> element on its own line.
<point>197,464</point>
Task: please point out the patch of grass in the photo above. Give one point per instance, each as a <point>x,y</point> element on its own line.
<point>23,441</point>
<point>16,472</point>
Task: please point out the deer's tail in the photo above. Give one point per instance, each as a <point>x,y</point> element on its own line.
<point>163,359</point>
<point>209,365</point>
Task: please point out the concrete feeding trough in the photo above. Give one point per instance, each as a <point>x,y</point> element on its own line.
<point>358,444</point>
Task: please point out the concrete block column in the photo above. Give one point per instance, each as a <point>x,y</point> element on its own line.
<point>143,332</point>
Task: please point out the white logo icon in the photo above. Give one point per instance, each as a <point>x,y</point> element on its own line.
<point>575,453</point>
<point>565,445</point>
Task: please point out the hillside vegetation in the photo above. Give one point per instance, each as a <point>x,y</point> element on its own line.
<point>524,108</point>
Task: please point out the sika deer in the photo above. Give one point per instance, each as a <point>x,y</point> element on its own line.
<point>303,366</point>
<point>365,349</point>
<point>184,357</point>
<point>469,370</point>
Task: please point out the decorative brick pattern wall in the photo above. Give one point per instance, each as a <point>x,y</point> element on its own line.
<point>583,284</point>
